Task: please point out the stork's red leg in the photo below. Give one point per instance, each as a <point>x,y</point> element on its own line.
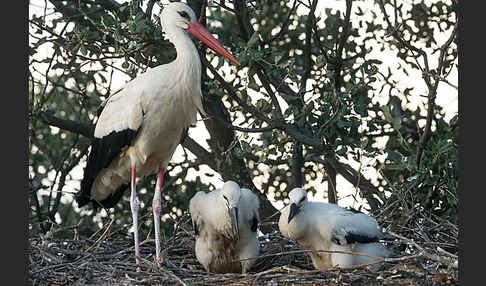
<point>157,208</point>
<point>134,205</point>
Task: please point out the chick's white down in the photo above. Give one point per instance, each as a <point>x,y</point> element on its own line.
<point>225,222</point>
<point>324,226</point>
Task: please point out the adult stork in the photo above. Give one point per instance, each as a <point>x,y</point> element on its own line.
<point>322,226</point>
<point>141,125</point>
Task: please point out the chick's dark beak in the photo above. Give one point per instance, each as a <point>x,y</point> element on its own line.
<point>234,218</point>
<point>294,210</point>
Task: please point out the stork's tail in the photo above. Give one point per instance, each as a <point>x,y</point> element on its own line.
<point>102,153</point>
<point>83,199</point>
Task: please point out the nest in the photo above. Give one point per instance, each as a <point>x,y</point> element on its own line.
<point>106,259</point>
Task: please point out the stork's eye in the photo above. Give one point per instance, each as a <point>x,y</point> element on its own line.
<point>184,15</point>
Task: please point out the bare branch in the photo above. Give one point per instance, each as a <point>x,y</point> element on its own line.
<point>345,33</point>
<point>222,5</point>
<point>431,97</point>
<point>249,130</point>
<point>201,153</point>
<point>308,47</point>
<point>431,77</point>
<point>86,130</point>
<point>352,176</point>
<point>232,93</point>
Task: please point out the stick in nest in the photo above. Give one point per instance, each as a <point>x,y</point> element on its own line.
<point>424,253</point>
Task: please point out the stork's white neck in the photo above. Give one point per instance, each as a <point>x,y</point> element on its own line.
<point>187,60</point>
<point>182,77</point>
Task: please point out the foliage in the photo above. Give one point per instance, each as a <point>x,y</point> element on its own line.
<point>313,90</point>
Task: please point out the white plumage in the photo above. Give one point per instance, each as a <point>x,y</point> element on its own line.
<point>141,125</point>
<point>225,222</point>
<point>323,226</point>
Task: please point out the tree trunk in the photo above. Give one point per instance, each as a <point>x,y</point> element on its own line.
<point>331,184</point>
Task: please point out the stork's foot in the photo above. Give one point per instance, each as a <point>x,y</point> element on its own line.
<point>139,264</point>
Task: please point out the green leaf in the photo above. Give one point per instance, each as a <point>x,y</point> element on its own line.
<point>245,146</point>
<point>118,37</point>
<point>387,113</point>
<point>397,123</point>
<point>342,124</point>
<point>123,7</point>
<point>253,40</point>
<point>394,156</point>
<point>83,50</point>
<point>253,85</point>
<point>132,27</point>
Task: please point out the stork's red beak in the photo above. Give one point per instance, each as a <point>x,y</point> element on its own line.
<point>202,34</point>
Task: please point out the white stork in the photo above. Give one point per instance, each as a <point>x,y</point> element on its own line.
<point>225,223</point>
<point>141,125</point>
<point>323,226</point>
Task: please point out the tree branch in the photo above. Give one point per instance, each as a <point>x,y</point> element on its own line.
<point>342,42</point>
<point>243,129</point>
<point>150,7</point>
<point>308,47</point>
<point>352,176</point>
<point>34,186</point>
<point>296,166</point>
<point>86,130</point>
<point>247,30</point>
<point>345,34</point>
<point>266,84</point>
<point>393,30</point>
<point>201,153</point>
<point>431,78</point>
<point>285,25</point>
<point>431,97</point>
<point>243,19</point>
<point>232,94</point>
<point>332,195</point>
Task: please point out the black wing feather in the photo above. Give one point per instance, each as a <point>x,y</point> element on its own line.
<point>103,151</point>
<point>184,135</point>
<point>196,227</point>
<point>359,238</point>
<point>254,224</point>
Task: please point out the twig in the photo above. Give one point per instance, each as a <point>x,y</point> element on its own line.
<point>232,93</point>
<point>243,129</point>
<point>102,236</point>
<point>307,251</point>
<point>162,269</point>
<point>424,253</point>
<point>446,252</point>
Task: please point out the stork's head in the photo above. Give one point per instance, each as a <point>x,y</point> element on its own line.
<point>178,15</point>
<point>230,194</point>
<point>298,197</point>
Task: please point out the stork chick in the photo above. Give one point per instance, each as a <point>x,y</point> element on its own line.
<point>323,226</point>
<point>225,223</point>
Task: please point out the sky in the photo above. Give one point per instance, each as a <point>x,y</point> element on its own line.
<point>447,98</point>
